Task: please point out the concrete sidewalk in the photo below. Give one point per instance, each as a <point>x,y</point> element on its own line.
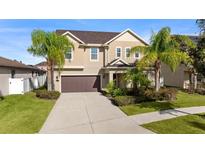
<point>166,114</point>
<point>85,113</point>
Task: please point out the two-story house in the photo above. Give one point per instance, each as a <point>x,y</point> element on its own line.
<point>97,59</point>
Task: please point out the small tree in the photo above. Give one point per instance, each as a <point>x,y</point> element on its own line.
<point>163,48</point>
<point>137,77</point>
<point>53,48</point>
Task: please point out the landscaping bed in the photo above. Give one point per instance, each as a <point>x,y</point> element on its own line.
<point>189,124</point>
<point>23,114</point>
<point>183,100</point>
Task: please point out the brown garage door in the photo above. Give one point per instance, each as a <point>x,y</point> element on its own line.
<point>80,83</point>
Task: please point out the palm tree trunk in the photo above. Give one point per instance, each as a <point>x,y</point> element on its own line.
<point>52,76</point>
<point>157,74</point>
<point>49,75</point>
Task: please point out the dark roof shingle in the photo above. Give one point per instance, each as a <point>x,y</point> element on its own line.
<point>195,39</point>
<point>43,63</point>
<point>91,37</point>
<point>4,62</point>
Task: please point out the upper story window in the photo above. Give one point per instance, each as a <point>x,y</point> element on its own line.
<point>127,52</point>
<point>69,54</point>
<point>94,54</point>
<point>137,55</point>
<point>118,52</point>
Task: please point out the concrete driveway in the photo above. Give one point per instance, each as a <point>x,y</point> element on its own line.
<point>85,113</point>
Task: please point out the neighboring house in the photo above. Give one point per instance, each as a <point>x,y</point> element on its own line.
<point>182,76</point>
<point>42,65</point>
<point>97,59</point>
<point>12,69</point>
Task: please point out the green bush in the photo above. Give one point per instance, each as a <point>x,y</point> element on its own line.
<point>200,91</point>
<point>1,98</point>
<point>110,87</point>
<point>164,94</point>
<point>47,94</point>
<point>124,100</point>
<point>118,92</point>
<point>113,90</point>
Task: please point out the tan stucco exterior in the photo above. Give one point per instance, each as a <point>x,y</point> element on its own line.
<point>176,79</point>
<point>82,65</point>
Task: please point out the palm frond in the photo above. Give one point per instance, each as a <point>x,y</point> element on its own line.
<point>148,60</point>
<point>174,59</point>
<point>141,49</point>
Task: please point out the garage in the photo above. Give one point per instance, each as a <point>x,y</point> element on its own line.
<point>80,83</point>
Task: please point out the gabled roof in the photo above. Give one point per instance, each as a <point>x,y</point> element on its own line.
<point>96,37</point>
<point>130,31</point>
<point>4,62</point>
<point>43,63</point>
<point>90,37</point>
<point>118,63</point>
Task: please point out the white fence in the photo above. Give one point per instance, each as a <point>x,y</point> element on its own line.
<point>16,86</point>
<point>22,85</point>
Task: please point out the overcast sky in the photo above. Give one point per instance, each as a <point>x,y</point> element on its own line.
<point>15,35</point>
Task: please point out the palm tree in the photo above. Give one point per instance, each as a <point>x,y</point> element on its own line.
<point>137,77</point>
<point>162,48</point>
<point>53,48</point>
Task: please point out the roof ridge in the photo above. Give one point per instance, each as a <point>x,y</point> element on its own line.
<point>86,31</point>
<point>14,60</point>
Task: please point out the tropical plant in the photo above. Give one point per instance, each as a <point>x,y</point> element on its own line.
<point>199,53</point>
<point>137,78</point>
<point>110,87</point>
<point>162,48</point>
<point>53,48</point>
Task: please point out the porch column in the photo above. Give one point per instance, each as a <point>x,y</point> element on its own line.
<point>106,56</point>
<point>110,76</point>
<point>195,81</point>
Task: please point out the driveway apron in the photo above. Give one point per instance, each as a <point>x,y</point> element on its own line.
<point>86,113</point>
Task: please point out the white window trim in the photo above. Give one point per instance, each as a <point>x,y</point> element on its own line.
<point>126,52</point>
<point>71,55</point>
<point>94,60</point>
<point>137,57</point>
<point>116,52</point>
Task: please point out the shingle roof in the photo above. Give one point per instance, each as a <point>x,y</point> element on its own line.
<point>43,63</point>
<point>91,37</point>
<point>4,62</point>
<point>195,39</point>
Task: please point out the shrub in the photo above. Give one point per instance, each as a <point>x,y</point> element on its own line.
<point>112,90</point>
<point>124,100</point>
<point>110,87</point>
<point>1,98</point>
<point>47,94</point>
<point>167,94</point>
<point>200,91</point>
<point>118,92</point>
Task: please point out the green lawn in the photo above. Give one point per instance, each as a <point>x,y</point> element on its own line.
<point>183,100</point>
<point>189,124</point>
<point>23,113</point>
